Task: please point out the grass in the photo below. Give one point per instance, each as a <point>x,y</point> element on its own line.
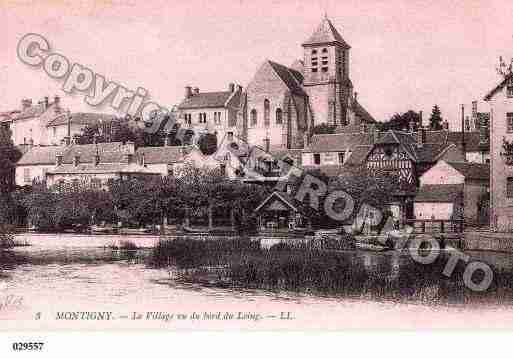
<point>305,268</point>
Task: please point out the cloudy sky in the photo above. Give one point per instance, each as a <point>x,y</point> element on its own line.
<point>406,54</point>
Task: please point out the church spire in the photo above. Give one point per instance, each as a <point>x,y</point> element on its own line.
<point>326,33</point>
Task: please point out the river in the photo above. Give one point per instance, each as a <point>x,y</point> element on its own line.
<point>66,273</point>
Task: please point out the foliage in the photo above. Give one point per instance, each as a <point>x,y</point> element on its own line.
<point>365,187</point>
<point>208,143</point>
<point>323,129</point>
<point>124,130</point>
<point>401,122</point>
<point>435,121</point>
<point>9,155</point>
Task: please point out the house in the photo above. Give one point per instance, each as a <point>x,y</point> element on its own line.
<point>210,112</point>
<point>282,104</point>
<point>449,187</point>
<point>500,99</point>
<point>47,123</point>
<point>69,125</point>
<point>93,164</point>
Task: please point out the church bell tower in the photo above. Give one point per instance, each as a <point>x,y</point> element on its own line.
<point>326,75</point>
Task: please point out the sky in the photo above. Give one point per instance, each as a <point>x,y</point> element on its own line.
<point>404,55</point>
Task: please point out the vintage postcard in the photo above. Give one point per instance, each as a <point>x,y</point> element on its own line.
<point>255,165</point>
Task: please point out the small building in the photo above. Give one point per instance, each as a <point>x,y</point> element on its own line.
<point>454,186</point>
<point>280,212</point>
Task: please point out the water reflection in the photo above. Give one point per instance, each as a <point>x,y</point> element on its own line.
<point>83,270</point>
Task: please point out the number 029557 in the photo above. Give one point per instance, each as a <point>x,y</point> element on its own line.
<point>27,346</point>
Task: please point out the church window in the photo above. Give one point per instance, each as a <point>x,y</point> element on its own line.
<point>509,187</point>
<point>509,120</point>
<point>279,116</point>
<point>267,113</point>
<point>253,118</point>
<point>317,158</point>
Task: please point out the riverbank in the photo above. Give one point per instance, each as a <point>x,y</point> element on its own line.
<point>338,273</point>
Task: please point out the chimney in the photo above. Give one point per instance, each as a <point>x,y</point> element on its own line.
<point>231,87</point>
<point>421,137</point>
<point>474,110</point>
<point>267,144</point>
<point>56,100</point>
<point>188,91</point>
<point>46,102</point>
<point>463,144</point>
<point>196,90</point>
<point>26,103</point>
<point>58,159</point>
<point>356,96</point>
<point>76,160</point>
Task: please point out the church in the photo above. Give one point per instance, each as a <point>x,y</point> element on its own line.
<point>282,104</point>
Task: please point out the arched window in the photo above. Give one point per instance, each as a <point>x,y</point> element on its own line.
<point>279,116</point>
<point>314,52</point>
<point>267,113</point>
<point>253,118</point>
<point>325,50</point>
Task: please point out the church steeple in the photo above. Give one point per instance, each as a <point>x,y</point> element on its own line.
<point>326,73</point>
<point>325,34</point>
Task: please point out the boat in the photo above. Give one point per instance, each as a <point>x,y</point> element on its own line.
<point>141,230</point>
<point>102,229</point>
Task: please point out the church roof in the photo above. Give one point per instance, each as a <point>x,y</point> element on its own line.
<point>292,78</point>
<point>325,34</point>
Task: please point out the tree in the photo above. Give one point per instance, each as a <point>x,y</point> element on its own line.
<point>401,122</point>
<point>435,121</point>
<point>9,155</point>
